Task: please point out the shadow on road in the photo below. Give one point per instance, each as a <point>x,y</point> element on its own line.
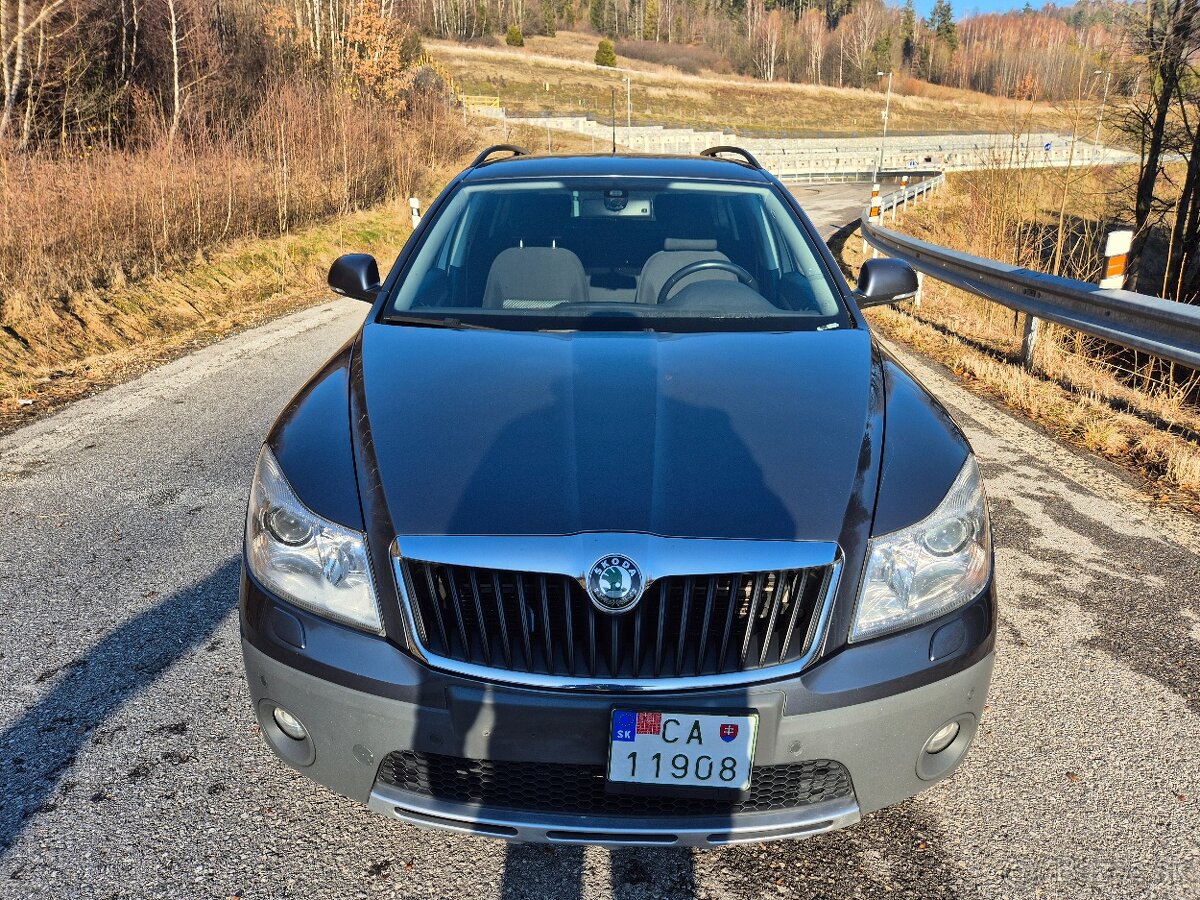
<point>44,741</point>
<point>543,872</point>
<point>901,850</point>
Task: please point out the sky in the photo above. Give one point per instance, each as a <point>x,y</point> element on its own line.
<point>963,7</point>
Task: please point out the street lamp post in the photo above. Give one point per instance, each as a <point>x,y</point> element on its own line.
<point>887,108</point>
<point>1103,101</point>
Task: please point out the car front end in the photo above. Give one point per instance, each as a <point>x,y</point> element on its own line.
<point>598,582</point>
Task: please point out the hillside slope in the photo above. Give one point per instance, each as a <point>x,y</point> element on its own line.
<point>557,75</point>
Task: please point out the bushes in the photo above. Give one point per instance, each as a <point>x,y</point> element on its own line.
<point>75,226</point>
<point>514,38</point>
<point>605,54</point>
<point>685,57</point>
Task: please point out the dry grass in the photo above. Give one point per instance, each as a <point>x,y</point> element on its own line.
<point>242,284</point>
<point>663,94</point>
<point>91,244</point>
<point>102,330</point>
<point>1148,426</point>
<point>104,217</point>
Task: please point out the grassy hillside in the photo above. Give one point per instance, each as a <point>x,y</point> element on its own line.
<point>557,75</point>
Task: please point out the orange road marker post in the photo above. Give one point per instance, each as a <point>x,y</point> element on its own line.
<point>1116,252</point>
<point>874,216</point>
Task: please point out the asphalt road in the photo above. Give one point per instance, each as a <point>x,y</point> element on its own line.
<point>831,206</point>
<point>130,766</point>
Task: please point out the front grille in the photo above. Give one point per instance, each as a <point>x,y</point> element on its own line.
<point>580,790</point>
<point>684,626</point>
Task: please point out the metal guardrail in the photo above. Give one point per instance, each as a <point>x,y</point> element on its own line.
<point>1164,328</point>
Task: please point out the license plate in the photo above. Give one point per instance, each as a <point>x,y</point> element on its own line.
<point>682,749</point>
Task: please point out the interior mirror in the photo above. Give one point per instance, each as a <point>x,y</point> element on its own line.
<point>355,275</point>
<point>885,281</point>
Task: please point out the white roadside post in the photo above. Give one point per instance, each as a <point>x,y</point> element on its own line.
<point>874,216</point>
<point>1029,341</point>
<point>1116,252</point>
<point>415,206</point>
<point>904,189</point>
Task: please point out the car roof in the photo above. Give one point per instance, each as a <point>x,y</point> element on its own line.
<point>512,168</point>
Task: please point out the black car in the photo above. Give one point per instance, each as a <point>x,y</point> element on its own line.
<point>614,524</point>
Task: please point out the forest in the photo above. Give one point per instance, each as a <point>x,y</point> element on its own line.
<point>76,70</point>
<point>138,132</point>
<point>835,42</point>
<point>140,137</point>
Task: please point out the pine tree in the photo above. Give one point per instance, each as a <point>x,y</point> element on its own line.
<point>605,54</point>
<point>908,32</point>
<point>835,9</point>
<point>596,14</point>
<point>650,30</point>
<point>882,52</point>
<point>941,21</point>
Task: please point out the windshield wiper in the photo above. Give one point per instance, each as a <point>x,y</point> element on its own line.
<point>441,322</point>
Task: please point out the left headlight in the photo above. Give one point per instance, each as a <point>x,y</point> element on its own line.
<point>930,568</point>
<point>304,558</point>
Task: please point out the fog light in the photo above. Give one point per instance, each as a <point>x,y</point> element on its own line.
<point>938,741</point>
<point>290,725</point>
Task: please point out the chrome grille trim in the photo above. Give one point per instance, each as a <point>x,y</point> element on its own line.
<point>543,561</point>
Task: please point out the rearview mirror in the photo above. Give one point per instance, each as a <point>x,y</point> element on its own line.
<point>885,281</point>
<point>355,275</point>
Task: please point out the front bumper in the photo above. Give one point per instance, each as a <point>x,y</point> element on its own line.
<point>352,728</point>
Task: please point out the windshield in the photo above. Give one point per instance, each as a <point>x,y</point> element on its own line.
<point>617,253</point>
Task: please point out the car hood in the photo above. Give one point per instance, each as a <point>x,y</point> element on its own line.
<point>728,435</point>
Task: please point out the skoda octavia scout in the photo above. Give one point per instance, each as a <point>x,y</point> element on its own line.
<point>614,524</point>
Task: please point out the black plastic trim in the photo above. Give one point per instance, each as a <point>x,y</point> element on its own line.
<point>854,674</point>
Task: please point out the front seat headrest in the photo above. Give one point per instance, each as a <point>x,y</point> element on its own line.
<point>535,278</point>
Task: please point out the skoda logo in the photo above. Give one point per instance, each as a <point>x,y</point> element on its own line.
<point>615,583</point>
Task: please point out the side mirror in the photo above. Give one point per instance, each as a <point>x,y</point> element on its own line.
<point>885,281</point>
<point>355,275</point>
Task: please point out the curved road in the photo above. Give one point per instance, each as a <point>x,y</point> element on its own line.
<point>130,766</point>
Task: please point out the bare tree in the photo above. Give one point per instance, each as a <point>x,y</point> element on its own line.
<point>816,37</point>
<point>862,31</point>
<point>16,25</point>
<point>764,32</point>
<point>1167,34</point>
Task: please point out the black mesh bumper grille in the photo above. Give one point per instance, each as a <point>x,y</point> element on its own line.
<point>580,789</point>
<point>685,626</point>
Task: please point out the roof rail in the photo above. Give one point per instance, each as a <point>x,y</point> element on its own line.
<point>715,152</point>
<point>498,148</point>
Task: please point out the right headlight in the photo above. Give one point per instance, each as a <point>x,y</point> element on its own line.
<point>930,568</point>
<point>304,558</point>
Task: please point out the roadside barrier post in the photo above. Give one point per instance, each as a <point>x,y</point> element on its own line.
<point>904,189</point>
<point>920,290</point>
<point>874,216</point>
<point>1029,341</point>
<point>415,205</point>
<point>1116,252</point>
